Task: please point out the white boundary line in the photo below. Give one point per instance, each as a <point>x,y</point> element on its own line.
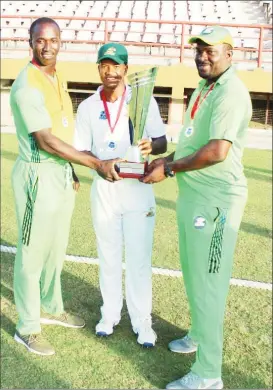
<point>156,270</point>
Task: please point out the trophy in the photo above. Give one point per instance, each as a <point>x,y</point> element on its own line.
<point>142,84</point>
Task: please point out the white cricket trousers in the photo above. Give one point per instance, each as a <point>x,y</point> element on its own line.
<point>123,215</point>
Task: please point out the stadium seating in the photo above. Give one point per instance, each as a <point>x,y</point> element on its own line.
<point>14,28</point>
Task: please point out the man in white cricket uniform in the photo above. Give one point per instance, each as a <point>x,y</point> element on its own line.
<point>123,212</point>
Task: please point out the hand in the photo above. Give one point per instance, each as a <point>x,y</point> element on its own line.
<point>76,182</point>
<point>155,175</point>
<point>156,163</point>
<point>145,146</point>
<point>107,170</point>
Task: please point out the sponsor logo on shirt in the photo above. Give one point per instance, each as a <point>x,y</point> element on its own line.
<point>102,115</point>
<point>199,222</point>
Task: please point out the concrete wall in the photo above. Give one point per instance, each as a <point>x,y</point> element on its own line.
<point>6,116</point>
<point>178,77</point>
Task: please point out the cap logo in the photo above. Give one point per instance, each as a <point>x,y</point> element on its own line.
<point>110,52</point>
<point>207,30</point>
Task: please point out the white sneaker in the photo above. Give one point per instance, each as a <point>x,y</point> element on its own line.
<point>146,335</point>
<point>105,328</point>
<point>184,345</point>
<point>193,381</point>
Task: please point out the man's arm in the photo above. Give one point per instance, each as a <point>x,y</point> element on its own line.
<point>53,145</point>
<point>214,152</point>
<point>31,105</point>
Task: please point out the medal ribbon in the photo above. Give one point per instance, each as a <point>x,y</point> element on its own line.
<point>51,81</point>
<point>197,102</point>
<point>107,113</point>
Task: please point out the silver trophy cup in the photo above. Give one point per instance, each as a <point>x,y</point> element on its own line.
<point>142,84</point>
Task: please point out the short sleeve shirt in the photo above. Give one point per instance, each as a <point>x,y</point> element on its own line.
<point>92,131</point>
<point>223,114</point>
<point>35,106</point>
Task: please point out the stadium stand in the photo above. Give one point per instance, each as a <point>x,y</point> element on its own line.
<point>155,32</point>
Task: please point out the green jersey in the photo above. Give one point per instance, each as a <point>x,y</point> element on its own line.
<point>40,102</point>
<point>224,113</point>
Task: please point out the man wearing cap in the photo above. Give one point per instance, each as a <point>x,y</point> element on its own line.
<point>211,200</point>
<point>125,210</point>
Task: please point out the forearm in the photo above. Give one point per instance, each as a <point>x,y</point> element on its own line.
<point>202,158</point>
<point>57,147</point>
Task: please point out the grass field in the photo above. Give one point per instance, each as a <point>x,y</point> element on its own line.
<point>84,361</point>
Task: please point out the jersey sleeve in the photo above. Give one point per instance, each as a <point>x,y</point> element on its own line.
<point>154,126</point>
<point>227,117</point>
<point>83,131</point>
<point>30,104</point>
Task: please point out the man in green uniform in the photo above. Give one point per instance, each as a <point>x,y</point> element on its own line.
<point>42,181</point>
<point>211,201</point>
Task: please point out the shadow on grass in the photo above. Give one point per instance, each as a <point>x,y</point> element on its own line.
<point>261,170</point>
<point>9,155</point>
<point>257,176</point>
<point>254,229</point>
<point>158,365</point>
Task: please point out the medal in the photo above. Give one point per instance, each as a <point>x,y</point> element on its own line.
<point>189,131</point>
<point>112,145</point>
<point>65,121</point>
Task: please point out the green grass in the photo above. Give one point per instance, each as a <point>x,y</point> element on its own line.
<point>84,361</point>
<point>253,252</point>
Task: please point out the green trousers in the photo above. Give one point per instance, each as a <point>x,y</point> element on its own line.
<point>38,265</point>
<point>207,239</point>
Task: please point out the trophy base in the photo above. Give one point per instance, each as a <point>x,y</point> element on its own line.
<point>132,170</point>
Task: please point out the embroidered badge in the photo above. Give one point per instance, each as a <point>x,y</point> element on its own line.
<point>102,115</point>
<point>111,51</point>
<point>199,222</point>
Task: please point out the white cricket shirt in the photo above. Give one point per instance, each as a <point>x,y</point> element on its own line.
<point>92,131</point>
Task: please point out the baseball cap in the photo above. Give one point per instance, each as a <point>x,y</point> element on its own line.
<point>113,51</point>
<point>214,35</point>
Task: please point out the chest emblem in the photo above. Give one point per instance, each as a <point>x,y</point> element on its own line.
<point>102,115</point>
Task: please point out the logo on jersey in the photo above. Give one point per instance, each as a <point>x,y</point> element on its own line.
<point>102,115</point>
<point>199,222</point>
<point>112,145</point>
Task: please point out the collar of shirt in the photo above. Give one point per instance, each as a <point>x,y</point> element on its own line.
<point>128,93</point>
<point>222,79</point>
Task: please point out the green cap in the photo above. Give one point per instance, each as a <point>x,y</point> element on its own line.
<point>214,35</point>
<point>113,51</point>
